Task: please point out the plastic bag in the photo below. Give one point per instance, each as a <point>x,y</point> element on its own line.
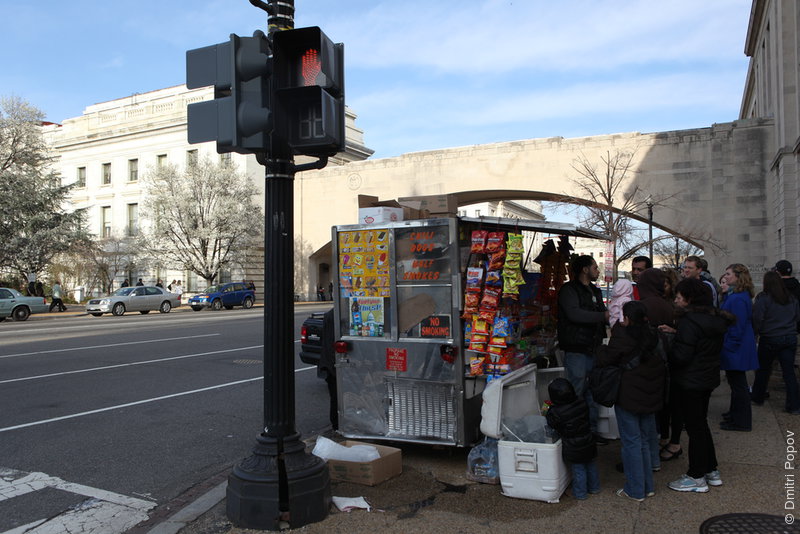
<point>330,450</point>
<point>483,463</point>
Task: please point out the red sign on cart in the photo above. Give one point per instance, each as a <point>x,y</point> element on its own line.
<point>396,360</point>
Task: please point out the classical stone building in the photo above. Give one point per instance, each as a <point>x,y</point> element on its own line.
<point>731,187</point>
<point>106,151</point>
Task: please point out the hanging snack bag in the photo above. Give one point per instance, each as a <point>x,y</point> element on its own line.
<point>501,327</point>
<point>490,300</point>
<point>479,241</point>
<point>496,241</point>
<point>497,260</point>
<point>513,261</point>
<point>514,243</point>
<point>494,279</point>
<point>476,365</point>
<point>474,279</point>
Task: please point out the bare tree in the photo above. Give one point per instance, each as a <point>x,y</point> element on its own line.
<point>605,205</point>
<point>200,218</point>
<point>608,200</point>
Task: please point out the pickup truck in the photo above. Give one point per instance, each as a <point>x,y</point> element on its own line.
<point>312,334</point>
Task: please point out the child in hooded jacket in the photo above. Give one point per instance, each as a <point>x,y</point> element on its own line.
<point>569,416</point>
<point>621,293</point>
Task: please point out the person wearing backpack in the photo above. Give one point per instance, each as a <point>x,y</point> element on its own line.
<point>633,346</point>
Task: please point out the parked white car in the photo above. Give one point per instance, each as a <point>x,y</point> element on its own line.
<point>143,299</point>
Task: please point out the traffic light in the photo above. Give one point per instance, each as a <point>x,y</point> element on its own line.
<point>239,117</point>
<point>309,91</point>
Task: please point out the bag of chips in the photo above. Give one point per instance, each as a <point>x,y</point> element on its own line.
<point>479,241</point>
<point>495,241</point>
<point>514,243</point>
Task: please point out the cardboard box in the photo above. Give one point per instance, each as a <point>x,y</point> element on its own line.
<point>368,201</point>
<point>390,464</point>
<point>379,215</point>
<point>434,205</point>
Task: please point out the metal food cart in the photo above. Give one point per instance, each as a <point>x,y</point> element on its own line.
<point>402,372</point>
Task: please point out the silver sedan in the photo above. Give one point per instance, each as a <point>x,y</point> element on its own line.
<point>143,299</point>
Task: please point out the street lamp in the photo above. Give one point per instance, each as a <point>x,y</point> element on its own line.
<point>649,202</point>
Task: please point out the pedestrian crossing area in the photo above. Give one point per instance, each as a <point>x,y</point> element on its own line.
<point>97,512</point>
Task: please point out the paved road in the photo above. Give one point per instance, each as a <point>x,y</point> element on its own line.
<point>103,418</point>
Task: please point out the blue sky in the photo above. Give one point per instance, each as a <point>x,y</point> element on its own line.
<point>420,74</point>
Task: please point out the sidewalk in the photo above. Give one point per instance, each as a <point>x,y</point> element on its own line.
<point>74,310</point>
<point>433,495</point>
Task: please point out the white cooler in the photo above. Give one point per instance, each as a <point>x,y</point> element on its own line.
<point>533,471</point>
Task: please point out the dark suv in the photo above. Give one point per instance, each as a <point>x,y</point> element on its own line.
<point>227,295</point>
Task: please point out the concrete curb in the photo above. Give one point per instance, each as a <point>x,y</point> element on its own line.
<point>191,512</point>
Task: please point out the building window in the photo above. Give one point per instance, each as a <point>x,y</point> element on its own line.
<point>133,220</point>
<point>133,170</point>
<point>81,181</point>
<point>106,174</point>
<point>106,217</point>
<point>191,157</point>
<point>161,160</point>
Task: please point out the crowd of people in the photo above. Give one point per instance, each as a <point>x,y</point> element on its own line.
<point>672,335</point>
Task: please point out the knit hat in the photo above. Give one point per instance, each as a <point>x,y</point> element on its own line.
<point>784,268</point>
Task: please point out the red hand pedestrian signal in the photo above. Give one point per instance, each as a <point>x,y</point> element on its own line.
<point>311,67</point>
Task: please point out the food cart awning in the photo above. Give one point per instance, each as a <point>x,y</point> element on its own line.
<point>549,227</point>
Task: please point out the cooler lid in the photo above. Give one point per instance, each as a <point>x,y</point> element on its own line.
<point>509,397</point>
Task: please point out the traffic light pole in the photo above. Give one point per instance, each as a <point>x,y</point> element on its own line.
<point>279,485</point>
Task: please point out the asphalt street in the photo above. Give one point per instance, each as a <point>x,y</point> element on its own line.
<point>111,417</point>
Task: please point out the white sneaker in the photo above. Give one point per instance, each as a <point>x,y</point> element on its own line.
<point>713,478</point>
<point>687,483</point>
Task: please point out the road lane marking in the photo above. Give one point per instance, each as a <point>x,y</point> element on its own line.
<point>130,364</point>
<point>102,512</point>
<point>105,346</point>
<point>136,403</point>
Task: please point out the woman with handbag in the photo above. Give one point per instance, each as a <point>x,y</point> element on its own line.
<point>694,363</point>
<point>632,347</point>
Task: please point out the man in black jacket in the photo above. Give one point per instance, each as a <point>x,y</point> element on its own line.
<point>582,319</point>
<point>784,268</point>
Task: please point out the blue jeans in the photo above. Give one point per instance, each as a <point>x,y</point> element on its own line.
<point>577,367</point>
<point>782,348</point>
<point>635,432</point>
<point>584,479</point>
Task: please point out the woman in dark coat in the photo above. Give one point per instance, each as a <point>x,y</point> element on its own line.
<point>694,365</point>
<point>653,284</point>
<point>641,394</point>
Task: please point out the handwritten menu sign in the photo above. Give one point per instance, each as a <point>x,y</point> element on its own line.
<point>364,263</point>
<point>421,254</point>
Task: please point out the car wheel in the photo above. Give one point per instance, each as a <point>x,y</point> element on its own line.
<point>96,314</point>
<point>165,307</point>
<point>21,313</point>
<point>216,305</point>
<point>144,312</point>
<point>247,304</point>
<point>197,308</point>
<point>118,309</point>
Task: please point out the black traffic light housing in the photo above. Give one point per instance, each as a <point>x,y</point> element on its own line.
<point>239,117</point>
<point>309,91</point>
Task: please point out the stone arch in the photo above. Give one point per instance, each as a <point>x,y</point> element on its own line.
<point>714,178</point>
